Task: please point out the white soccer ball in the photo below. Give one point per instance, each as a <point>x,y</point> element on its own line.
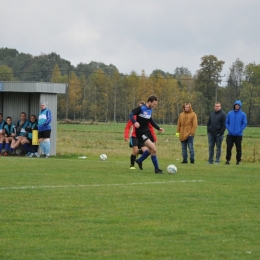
<point>103,157</point>
<point>172,169</point>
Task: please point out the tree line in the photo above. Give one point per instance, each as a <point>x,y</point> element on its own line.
<point>100,92</point>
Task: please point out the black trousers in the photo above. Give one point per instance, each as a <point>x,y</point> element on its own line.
<point>231,140</point>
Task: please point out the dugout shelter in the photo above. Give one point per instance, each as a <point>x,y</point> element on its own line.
<point>17,97</point>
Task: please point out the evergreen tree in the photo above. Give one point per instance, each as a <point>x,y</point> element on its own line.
<point>208,79</point>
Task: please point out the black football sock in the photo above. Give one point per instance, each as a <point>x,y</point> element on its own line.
<point>132,159</point>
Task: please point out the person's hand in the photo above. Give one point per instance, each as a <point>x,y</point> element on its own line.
<point>136,124</point>
<point>126,139</point>
<point>161,130</point>
<point>177,135</point>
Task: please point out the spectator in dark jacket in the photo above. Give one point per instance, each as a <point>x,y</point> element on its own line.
<point>216,127</point>
<point>236,122</point>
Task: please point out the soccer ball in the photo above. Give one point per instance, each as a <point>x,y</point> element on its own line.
<point>103,157</point>
<point>172,169</point>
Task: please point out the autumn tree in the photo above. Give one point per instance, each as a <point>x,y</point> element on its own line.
<point>198,100</point>
<point>83,87</point>
<point>184,78</point>
<point>6,73</point>
<point>58,78</point>
<point>131,84</point>
<point>172,100</point>
<point>145,88</point>
<point>92,96</point>
<point>250,93</point>
<point>98,91</point>
<point>115,79</point>
<point>159,89</point>
<point>56,75</point>
<point>75,94</point>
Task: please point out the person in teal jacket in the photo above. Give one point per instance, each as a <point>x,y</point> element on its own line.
<point>20,132</point>
<point>27,142</point>
<point>10,133</point>
<point>236,122</point>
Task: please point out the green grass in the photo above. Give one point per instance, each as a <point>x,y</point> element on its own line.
<point>70,208</point>
<point>76,140</point>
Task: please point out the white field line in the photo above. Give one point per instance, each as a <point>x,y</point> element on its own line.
<point>93,185</point>
<point>57,159</point>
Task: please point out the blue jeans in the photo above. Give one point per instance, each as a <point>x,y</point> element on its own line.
<point>188,142</point>
<point>215,140</point>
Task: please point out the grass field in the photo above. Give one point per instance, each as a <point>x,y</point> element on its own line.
<point>70,208</point>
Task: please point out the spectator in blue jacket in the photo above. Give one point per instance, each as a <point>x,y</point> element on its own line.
<point>44,129</point>
<point>236,122</point>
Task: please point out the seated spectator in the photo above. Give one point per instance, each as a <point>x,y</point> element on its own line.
<point>27,142</point>
<point>9,135</point>
<point>2,133</point>
<point>20,131</point>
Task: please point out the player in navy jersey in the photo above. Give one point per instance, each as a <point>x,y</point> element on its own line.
<point>141,123</point>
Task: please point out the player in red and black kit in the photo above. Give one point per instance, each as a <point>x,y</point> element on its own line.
<point>134,142</point>
<point>144,117</point>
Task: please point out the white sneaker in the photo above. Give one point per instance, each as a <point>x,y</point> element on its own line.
<point>37,155</point>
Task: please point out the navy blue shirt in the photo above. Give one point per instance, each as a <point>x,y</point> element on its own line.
<point>144,117</point>
<point>217,123</point>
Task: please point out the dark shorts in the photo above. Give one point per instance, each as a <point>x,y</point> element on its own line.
<point>145,136</point>
<point>135,142</point>
<point>44,134</point>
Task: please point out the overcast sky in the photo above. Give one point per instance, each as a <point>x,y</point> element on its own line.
<point>135,34</point>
